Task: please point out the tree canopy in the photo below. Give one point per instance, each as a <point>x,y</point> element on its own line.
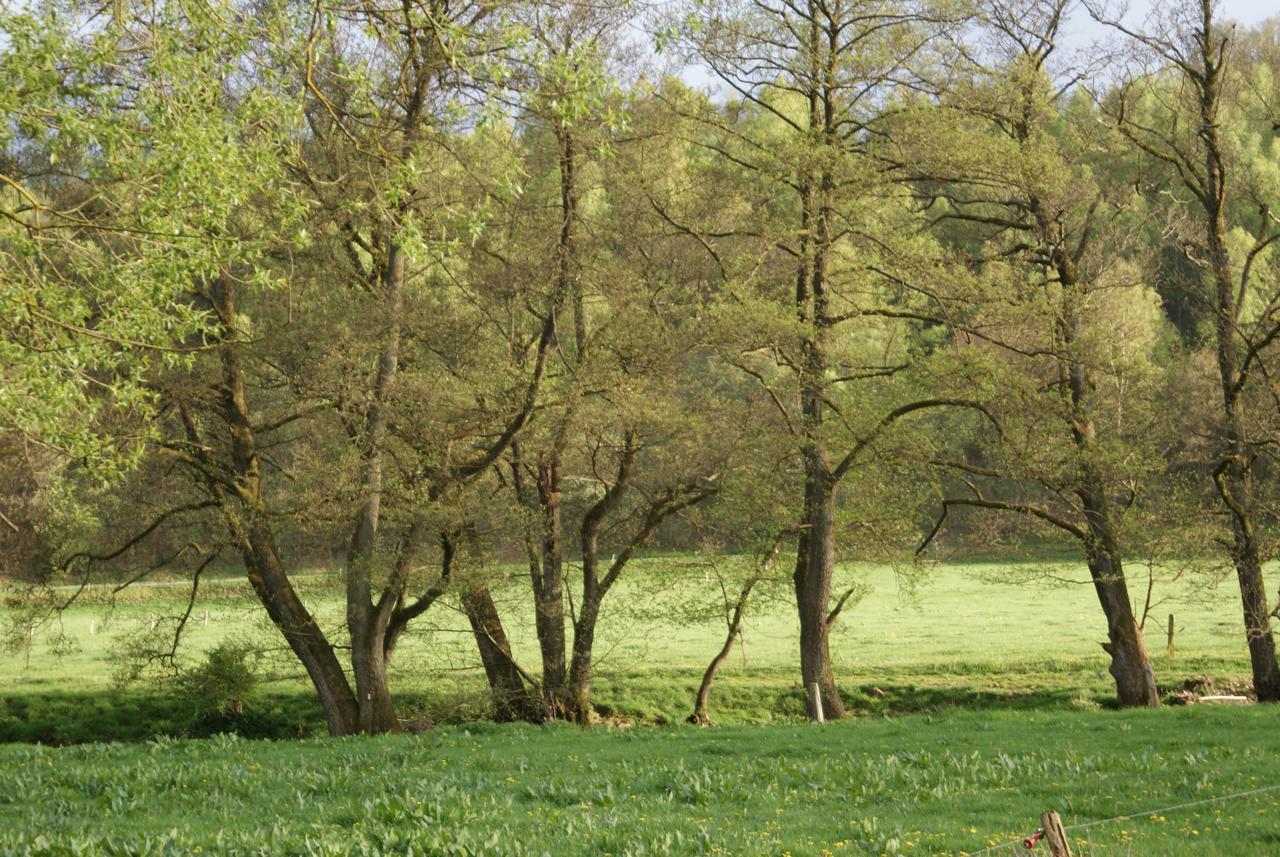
<point>445,289</point>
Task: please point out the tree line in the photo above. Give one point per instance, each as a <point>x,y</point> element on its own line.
<point>445,288</point>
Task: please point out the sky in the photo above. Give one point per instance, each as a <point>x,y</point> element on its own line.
<point>1081,30</point>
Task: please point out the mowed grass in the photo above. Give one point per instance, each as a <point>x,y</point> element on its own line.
<point>918,784</point>
<point>971,636</point>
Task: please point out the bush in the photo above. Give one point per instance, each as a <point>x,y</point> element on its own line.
<point>222,685</point>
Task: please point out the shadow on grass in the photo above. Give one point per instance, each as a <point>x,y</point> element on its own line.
<point>895,699</point>
<point>130,715</point>
<point>58,718</point>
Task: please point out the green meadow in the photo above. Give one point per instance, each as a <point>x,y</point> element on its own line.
<point>979,693</point>
<point>974,636</point>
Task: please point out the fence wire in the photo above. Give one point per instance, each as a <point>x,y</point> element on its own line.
<point>1014,845</point>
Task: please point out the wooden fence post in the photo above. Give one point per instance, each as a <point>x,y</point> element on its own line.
<point>815,703</point>
<point>1055,835</point>
<point>1169,648</point>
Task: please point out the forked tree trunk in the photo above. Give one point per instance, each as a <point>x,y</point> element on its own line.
<point>544,546</point>
<point>548,580</point>
<point>367,622</point>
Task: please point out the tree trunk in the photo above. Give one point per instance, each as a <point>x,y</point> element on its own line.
<point>548,588</point>
<point>1234,479</point>
<point>377,713</point>
<point>594,587</point>
<point>700,715</point>
<point>367,622</point>
<point>299,628</point>
<point>815,552</point>
<point>815,563</point>
<point>578,698</point>
<point>511,699</point>
<point>244,511</point>
<point>1130,666</point>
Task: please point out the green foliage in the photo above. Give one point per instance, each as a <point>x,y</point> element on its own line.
<point>522,171</point>
<point>223,684</point>
<point>125,194</point>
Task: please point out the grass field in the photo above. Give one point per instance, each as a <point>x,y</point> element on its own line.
<point>977,689</point>
<point>976,636</point>
<point>918,784</point>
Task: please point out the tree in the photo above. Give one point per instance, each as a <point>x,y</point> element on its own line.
<point>811,84</point>
<point>1177,105</point>
<point>1066,309</point>
<point>378,111</point>
<point>568,102</point>
<point>341,396</point>
<point>119,206</point>
<point>387,115</point>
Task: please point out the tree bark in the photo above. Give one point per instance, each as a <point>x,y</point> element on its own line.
<point>511,698</point>
<point>578,698</point>
<point>299,628</point>
<point>815,563</point>
<point>1130,665</point>
<point>548,587</point>
<point>377,712</point>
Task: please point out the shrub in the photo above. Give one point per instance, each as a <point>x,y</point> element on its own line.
<point>222,685</point>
